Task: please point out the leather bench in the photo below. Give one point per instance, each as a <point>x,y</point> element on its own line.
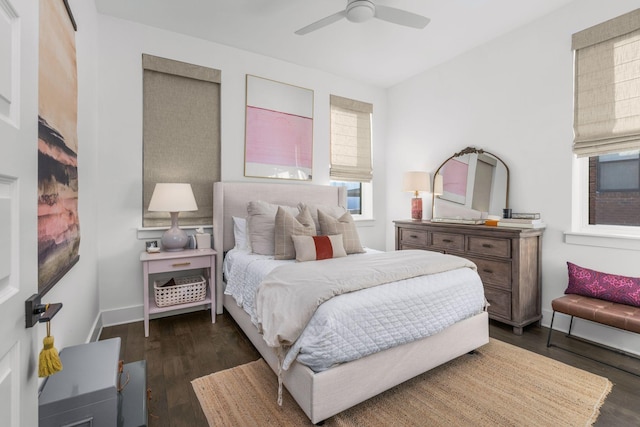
<point>621,316</point>
<point>614,314</point>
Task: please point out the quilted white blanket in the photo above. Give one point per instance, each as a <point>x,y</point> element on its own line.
<point>360,323</point>
<point>288,296</point>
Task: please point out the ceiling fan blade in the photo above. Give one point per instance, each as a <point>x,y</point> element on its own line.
<point>322,23</point>
<point>401,17</point>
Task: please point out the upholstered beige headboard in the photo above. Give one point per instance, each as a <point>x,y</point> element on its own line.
<point>230,199</point>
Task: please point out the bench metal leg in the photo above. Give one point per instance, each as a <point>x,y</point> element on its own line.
<point>551,329</point>
<point>584,355</point>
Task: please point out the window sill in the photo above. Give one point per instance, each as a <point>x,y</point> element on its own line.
<point>603,240</point>
<point>364,222</point>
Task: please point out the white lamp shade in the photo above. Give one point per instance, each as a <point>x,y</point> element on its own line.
<point>172,197</point>
<point>416,181</point>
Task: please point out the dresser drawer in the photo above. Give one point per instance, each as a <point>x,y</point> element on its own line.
<point>500,302</point>
<point>416,238</point>
<point>453,242</point>
<point>177,264</point>
<point>489,246</point>
<point>497,273</point>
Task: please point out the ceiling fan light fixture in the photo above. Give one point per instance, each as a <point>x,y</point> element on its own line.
<point>360,10</point>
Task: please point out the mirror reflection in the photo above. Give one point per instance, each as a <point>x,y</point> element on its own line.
<point>470,185</point>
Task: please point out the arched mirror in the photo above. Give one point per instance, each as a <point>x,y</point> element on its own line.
<point>470,185</point>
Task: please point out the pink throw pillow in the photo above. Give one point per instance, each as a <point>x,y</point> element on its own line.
<point>608,287</point>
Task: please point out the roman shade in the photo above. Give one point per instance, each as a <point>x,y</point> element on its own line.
<point>350,140</point>
<point>181,134</point>
<point>607,87</point>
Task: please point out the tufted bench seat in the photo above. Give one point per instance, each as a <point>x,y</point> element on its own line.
<point>614,314</point>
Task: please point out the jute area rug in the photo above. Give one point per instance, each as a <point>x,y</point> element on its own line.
<point>500,385</point>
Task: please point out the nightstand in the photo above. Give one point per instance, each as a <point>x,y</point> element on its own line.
<point>167,262</point>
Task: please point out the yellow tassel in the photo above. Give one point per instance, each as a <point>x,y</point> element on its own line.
<point>49,362</point>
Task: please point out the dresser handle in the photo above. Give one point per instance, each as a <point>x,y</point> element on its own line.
<point>181,264</point>
<point>413,236</point>
<point>447,241</point>
<point>488,271</point>
<point>487,245</point>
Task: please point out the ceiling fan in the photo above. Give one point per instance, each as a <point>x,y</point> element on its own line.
<point>364,10</point>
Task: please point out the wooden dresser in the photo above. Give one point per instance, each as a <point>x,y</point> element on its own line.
<point>508,260</point>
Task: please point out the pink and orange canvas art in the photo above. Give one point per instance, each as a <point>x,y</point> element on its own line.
<point>58,222</point>
<point>279,130</point>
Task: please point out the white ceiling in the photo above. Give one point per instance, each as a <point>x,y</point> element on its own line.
<point>376,52</point>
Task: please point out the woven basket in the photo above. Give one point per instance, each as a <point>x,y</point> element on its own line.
<point>186,289</point>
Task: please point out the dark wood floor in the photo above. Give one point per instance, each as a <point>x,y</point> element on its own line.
<point>184,347</point>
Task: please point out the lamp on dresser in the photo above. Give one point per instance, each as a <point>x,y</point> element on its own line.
<point>416,182</point>
<point>173,198</point>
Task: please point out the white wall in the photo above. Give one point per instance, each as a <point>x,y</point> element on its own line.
<point>78,289</point>
<point>119,143</point>
<point>514,98</point>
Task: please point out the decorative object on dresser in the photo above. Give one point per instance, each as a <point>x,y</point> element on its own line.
<point>416,182</point>
<point>181,292</point>
<point>508,260</point>
<point>471,184</point>
<point>173,198</point>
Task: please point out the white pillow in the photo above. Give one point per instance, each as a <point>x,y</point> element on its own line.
<point>315,248</point>
<point>240,232</point>
<point>261,225</point>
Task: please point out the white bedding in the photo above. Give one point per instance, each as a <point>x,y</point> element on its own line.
<point>356,324</point>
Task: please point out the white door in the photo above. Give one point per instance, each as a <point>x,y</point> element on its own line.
<point>18,210</point>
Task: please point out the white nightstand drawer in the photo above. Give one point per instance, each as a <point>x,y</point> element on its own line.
<point>177,264</point>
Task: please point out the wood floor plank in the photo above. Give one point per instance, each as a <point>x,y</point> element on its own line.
<point>187,346</point>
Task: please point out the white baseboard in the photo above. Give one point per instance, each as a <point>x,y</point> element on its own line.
<point>120,316</point>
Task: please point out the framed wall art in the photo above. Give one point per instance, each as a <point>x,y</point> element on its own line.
<point>58,222</point>
<point>279,130</point>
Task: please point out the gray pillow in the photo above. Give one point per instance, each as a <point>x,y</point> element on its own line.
<point>261,224</point>
<point>333,210</point>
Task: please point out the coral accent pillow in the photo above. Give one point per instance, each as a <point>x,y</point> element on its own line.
<point>344,225</point>
<point>287,226</point>
<point>608,287</point>
<point>315,248</point>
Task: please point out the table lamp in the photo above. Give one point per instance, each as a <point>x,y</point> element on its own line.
<point>173,198</point>
<point>416,182</point>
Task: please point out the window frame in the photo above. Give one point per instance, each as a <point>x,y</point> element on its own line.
<point>583,233</point>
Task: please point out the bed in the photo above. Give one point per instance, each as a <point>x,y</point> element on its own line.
<point>330,391</point>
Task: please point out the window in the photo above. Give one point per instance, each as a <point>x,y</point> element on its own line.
<point>181,134</point>
<point>354,195</point>
<point>351,164</point>
<point>614,189</point>
<point>607,120</point>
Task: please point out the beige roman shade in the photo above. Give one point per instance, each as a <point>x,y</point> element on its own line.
<point>181,134</point>
<point>350,140</point>
<point>607,87</point>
